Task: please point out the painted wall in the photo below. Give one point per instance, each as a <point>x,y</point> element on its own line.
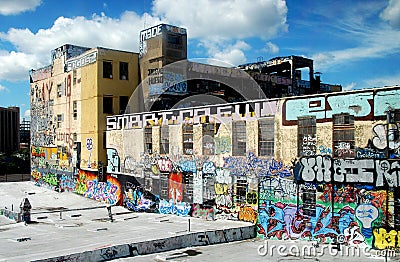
<point>67,107</point>
<point>316,196</point>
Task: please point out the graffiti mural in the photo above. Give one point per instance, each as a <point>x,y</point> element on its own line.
<point>107,192</point>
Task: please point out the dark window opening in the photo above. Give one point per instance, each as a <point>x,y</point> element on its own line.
<point>123,71</point>
<point>123,103</point>
<point>108,105</point>
<point>107,69</point>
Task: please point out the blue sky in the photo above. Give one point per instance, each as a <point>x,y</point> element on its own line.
<point>353,43</point>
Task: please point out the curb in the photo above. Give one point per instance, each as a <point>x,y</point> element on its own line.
<point>160,245</point>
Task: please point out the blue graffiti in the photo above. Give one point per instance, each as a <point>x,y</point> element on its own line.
<point>209,168</point>
<point>188,166</point>
<point>251,164</point>
<point>168,207</point>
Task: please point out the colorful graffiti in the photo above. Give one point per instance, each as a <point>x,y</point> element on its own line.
<point>386,238</point>
<point>251,165</point>
<point>107,192</point>
<point>169,207</point>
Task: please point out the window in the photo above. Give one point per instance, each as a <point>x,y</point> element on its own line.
<point>107,69</point>
<point>241,185</point>
<point>187,178</point>
<point>208,139</point>
<point>266,135</point>
<point>239,138</point>
<point>74,77</point>
<point>123,71</point>
<point>75,137</point>
<point>309,202</point>
<point>75,109</point>
<point>174,39</point>
<point>108,105</point>
<point>59,121</point>
<point>307,136</point>
<point>164,140</point>
<point>187,139</point>
<point>104,140</point>
<point>59,90</point>
<point>148,140</point>
<point>123,103</point>
<point>343,135</point>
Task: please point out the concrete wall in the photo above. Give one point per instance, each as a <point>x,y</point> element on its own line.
<point>160,245</point>
<point>332,192</point>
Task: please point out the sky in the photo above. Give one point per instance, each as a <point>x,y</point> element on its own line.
<point>354,43</point>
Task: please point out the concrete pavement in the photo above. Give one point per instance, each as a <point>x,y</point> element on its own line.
<point>70,227</point>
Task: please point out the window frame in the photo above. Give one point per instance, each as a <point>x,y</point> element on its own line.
<point>306,131</point>
<point>123,70</point>
<point>239,136</point>
<point>187,139</point>
<point>164,140</point>
<point>266,141</point>
<point>107,70</point>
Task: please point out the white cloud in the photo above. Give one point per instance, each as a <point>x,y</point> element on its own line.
<point>384,81</point>
<point>271,48</point>
<point>228,19</point>
<point>13,7</point>
<point>350,86</point>
<point>226,52</point>
<point>3,88</point>
<point>371,43</point>
<point>119,33</point>
<point>218,25</point>
<point>392,13</point>
<point>27,113</point>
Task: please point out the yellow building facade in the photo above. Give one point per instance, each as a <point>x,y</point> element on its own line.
<point>70,100</point>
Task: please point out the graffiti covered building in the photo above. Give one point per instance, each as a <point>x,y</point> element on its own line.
<point>313,167</point>
<point>70,99</point>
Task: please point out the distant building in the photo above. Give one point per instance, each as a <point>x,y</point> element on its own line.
<point>25,136</point>
<point>9,129</point>
<point>282,77</point>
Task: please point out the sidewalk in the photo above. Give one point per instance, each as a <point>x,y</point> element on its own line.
<point>83,231</point>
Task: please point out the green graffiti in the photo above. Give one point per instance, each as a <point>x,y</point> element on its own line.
<point>50,179</point>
